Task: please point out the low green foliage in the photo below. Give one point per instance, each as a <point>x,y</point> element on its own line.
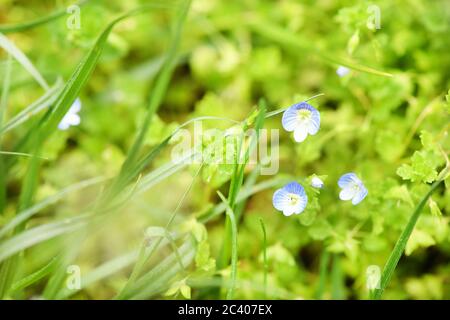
<point>103,211</point>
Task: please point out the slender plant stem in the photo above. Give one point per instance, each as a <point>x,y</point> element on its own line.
<point>266,265</point>
<point>397,252</point>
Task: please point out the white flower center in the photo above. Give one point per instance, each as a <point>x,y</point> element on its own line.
<point>293,199</point>
<point>355,188</point>
<point>303,115</point>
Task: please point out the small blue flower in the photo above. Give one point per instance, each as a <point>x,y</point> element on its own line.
<point>290,199</point>
<point>342,71</point>
<point>352,188</point>
<point>316,182</point>
<point>303,119</point>
<point>71,118</point>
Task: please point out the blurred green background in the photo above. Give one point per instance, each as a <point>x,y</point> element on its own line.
<point>391,129</point>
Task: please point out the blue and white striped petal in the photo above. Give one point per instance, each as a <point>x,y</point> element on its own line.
<point>347,179</point>
<point>360,195</point>
<point>352,188</point>
<point>290,199</point>
<point>303,119</point>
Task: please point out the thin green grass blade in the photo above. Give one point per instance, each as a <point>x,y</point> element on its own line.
<point>5,90</point>
<point>3,106</point>
<point>265,262</point>
<point>275,112</point>
<point>49,122</point>
<point>237,179</point>
<point>233,245</point>
<point>44,102</point>
<point>9,268</point>
<point>39,234</point>
<point>156,280</point>
<point>30,212</point>
<point>399,247</point>
<point>18,27</point>
<point>220,208</point>
<point>35,276</point>
<point>72,249</point>
<point>323,274</point>
<point>14,51</point>
<point>145,256</point>
<point>103,271</point>
<point>337,279</point>
<point>111,267</point>
<point>131,165</point>
<point>290,40</point>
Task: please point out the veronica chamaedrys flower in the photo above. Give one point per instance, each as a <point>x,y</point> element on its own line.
<point>342,71</point>
<point>316,182</point>
<point>71,118</point>
<point>301,118</point>
<point>290,199</point>
<point>352,188</point>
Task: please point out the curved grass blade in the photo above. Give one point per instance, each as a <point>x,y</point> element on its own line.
<point>323,274</point>
<point>35,276</point>
<point>399,248</point>
<point>45,101</point>
<point>39,234</point>
<point>265,262</point>
<point>83,72</point>
<point>3,106</point>
<point>278,111</point>
<point>18,27</point>
<point>337,279</point>
<point>109,268</point>
<point>289,40</point>
<point>14,51</point>
<point>131,165</point>
<point>218,209</point>
<point>138,268</point>
<point>156,280</point>
<point>234,250</point>
<point>30,212</point>
<point>103,271</point>
<point>237,179</point>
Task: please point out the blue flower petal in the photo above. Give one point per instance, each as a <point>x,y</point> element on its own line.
<point>348,179</point>
<point>314,123</point>
<point>289,120</point>
<point>295,188</point>
<point>301,205</point>
<point>301,127</point>
<point>76,106</point>
<point>360,195</point>
<point>280,199</point>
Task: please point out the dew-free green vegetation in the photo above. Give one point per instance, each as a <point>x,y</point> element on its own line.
<point>101,210</point>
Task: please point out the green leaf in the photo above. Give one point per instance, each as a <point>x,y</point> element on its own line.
<point>423,167</point>
<point>185,291</point>
<point>418,239</point>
